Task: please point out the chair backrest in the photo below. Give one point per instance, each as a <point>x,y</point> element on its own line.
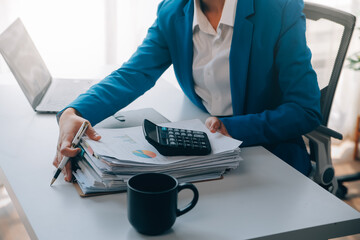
<point>329,33</point>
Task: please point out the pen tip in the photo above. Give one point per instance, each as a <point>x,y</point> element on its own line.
<point>52,181</point>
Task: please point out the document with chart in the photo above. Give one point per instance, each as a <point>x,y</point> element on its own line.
<point>107,164</point>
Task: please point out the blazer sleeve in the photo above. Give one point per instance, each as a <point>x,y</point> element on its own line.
<point>299,111</point>
<point>124,85</point>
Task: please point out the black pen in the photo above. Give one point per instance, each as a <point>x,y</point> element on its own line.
<point>74,143</point>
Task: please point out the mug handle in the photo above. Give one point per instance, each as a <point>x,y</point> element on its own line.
<point>192,204</point>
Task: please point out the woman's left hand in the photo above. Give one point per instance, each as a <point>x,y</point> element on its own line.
<point>215,125</point>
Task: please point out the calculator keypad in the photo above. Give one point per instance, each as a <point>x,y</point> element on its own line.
<point>182,138</point>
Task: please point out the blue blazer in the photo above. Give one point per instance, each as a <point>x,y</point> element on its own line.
<point>274,90</point>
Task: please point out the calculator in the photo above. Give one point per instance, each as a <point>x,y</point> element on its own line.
<point>174,141</point>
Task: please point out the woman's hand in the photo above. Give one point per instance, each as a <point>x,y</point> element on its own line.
<point>215,125</point>
<point>69,125</point>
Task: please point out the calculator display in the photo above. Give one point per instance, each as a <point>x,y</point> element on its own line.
<point>152,132</point>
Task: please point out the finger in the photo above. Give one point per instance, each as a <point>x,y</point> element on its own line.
<point>55,162</point>
<point>70,152</point>
<point>57,159</point>
<point>211,124</point>
<point>67,172</point>
<point>92,134</point>
<point>64,172</point>
<point>208,122</point>
<point>215,125</point>
<point>67,150</point>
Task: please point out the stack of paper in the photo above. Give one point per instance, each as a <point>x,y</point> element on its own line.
<point>121,153</point>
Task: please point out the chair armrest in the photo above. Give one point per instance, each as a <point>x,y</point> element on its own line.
<point>320,142</point>
<point>328,132</point>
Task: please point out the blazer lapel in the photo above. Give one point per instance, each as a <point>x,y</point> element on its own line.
<point>184,36</point>
<point>240,54</point>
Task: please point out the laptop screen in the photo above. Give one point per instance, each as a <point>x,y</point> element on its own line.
<point>25,62</point>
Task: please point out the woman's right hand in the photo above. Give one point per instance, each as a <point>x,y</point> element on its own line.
<point>214,124</point>
<point>69,124</point>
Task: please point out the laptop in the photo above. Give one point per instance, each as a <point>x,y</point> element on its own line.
<point>44,93</point>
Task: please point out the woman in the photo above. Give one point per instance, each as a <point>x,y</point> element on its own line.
<point>245,62</point>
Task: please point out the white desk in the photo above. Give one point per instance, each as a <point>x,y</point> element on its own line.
<point>264,198</point>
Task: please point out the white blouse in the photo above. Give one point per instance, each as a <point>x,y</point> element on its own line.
<point>211,71</point>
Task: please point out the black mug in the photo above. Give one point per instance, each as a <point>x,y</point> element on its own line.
<point>152,202</point>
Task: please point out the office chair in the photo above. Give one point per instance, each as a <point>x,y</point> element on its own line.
<point>332,25</point>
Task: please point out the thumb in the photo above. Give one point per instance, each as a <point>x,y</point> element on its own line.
<point>66,149</point>
<point>215,126</point>
<point>212,123</point>
<point>92,134</point>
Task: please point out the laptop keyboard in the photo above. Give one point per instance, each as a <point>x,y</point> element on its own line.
<point>62,92</point>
